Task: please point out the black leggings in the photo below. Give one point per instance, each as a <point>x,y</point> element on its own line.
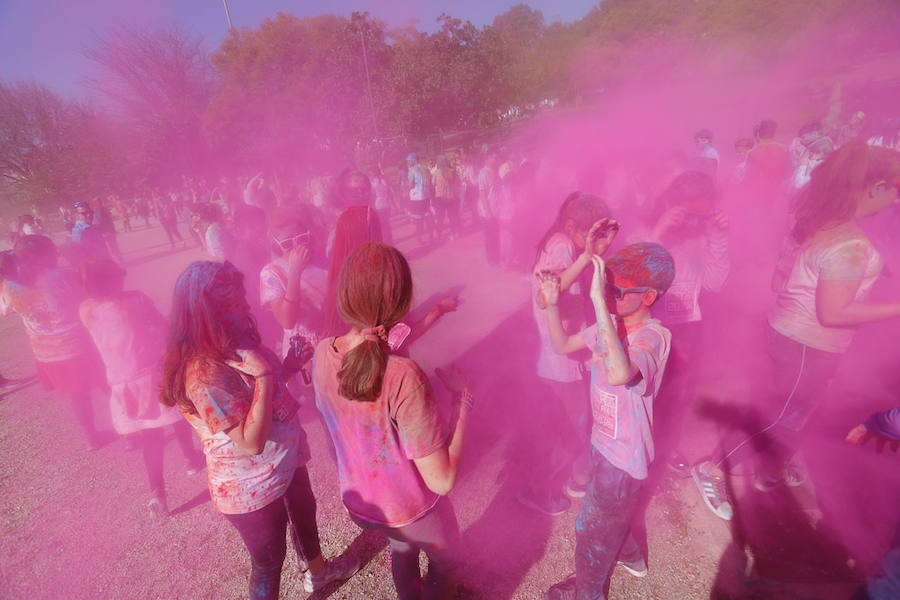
<point>437,534</point>
<point>263,533</point>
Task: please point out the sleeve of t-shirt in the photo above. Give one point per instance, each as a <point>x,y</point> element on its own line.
<point>591,338</point>
<point>559,256</point>
<point>418,417</point>
<point>844,262</point>
<point>219,395</point>
<point>271,286</point>
<point>648,351</point>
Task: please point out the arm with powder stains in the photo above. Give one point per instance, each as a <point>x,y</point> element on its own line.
<point>619,368</point>
<point>563,343</point>
<point>252,433</point>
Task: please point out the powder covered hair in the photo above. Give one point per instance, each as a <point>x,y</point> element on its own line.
<point>374,288</point>
<point>645,264</point>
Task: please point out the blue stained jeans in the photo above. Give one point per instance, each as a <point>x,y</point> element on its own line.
<point>603,527</point>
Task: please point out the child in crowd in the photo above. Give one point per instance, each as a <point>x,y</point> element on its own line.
<point>394,456</point>
<point>47,299</point>
<point>292,288</point>
<point>229,389</point>
<point>827,268</point>
<point>357,224</point>
<point>582,229</point>
<point>130,334</point>
<point>629,353</point>
<point>696,233</point>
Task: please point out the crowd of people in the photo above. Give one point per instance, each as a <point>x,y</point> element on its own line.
<point>301,296</point>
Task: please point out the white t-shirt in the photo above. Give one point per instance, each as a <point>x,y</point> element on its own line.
<point>701,263</point>
<point>622,426</point>
<point>558,255</point>
<point>273,284</point>
<point>842,253</point>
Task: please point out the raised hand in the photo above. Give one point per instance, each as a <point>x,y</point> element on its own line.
<point>860,435</point>
<point>252,363</point>
<point>601,235</point>
<point>671,219</point>
<point>718,222</point>
<point>298,258</point>
<point>447,304</point>
<point>549,292</point>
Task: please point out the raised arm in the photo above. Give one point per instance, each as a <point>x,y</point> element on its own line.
<point>563,343</point>
<point>251,434</point>
<point>598,241</point>
<point>288,308</point>
<point>619,368</point>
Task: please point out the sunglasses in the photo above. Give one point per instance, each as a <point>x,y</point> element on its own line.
<point>619,292</point>
<point>287,243</point>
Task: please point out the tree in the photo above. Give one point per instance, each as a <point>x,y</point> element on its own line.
<point>159,84</point>
<point>52,150</point>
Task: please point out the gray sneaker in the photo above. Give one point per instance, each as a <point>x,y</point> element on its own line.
<point>711,483</point>
<point>564,590</point>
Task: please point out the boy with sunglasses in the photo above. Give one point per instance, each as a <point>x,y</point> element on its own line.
<point>630,349</point>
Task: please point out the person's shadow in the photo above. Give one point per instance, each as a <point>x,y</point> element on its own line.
<point>503,543</point>
<point>781,547</point>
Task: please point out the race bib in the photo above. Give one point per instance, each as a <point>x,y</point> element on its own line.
<point>606,408</point>
<point>680,299</point>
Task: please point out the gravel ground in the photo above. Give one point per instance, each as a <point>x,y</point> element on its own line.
<point>75,522</point>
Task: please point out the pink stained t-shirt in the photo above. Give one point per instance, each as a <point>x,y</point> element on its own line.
<point>240,482</point>
<point>622,428</point>
<point>557,256</point>
<point>377,441</point>
<point>49,311</point>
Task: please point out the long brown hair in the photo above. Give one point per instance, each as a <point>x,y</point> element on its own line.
<point>582,209</point>
<point>203,326</point>
<point>374,288</point>
<point>833,191</point>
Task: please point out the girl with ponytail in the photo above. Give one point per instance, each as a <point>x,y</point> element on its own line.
<point>394,456</point>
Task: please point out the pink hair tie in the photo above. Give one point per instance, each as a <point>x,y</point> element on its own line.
<point>375,334</point>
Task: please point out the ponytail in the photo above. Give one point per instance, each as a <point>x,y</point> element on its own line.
<point>362,371</point>
<point>374,292</point>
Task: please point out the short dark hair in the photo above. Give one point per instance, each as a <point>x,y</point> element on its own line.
<point>765,129</point>
<point>102,278</point>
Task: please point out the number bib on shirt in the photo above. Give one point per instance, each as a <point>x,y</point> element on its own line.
<point>606,415</point>
<point>680,299</point>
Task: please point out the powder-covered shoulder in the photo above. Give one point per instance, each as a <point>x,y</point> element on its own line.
<point>651,335</point>
<point>404,372</point>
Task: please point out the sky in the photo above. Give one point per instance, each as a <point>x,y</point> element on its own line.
<point>44,40</point>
